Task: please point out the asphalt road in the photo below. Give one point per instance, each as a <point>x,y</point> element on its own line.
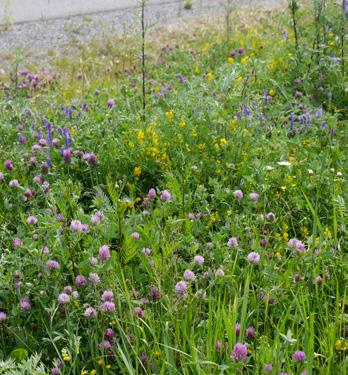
<point>17,11</point>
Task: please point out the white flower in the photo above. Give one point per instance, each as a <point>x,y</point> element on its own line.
<point>339,174</point>
<point>269,168</point>
<point>284,163</point>
<point>310,171</point>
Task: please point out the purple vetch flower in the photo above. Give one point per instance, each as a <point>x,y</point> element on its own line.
<point>165,196</point>
<point>107,295</point>
<point>104,253</point>
<point>240,352</point>
<point>25,304</point>
<point>3,316</point>
<point>108,306</point>
<point>80,280</point>
<point>139,312</point>
<point>181,288</point>
<point>32,220</point>
<point>198,259</point>
<point>90,312</point>
<point>254,257</point>
<point>299,356</point>
<point>232,242</point>
<point>63,298</point>
<point>189,275</point>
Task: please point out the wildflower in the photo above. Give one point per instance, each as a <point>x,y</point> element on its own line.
<point>298,94</point>
<point>146,251</point>
<point>198,259</point>
<point>238,194</point>
<point>254,197</point>
<point>319,280</point>
<point>170,115</point>
<point>237,328</point>
<point>151,193</point>
<point>107,296</point>
<point>135,236</point>
<point>1,176</point>
<point>254,258</point>
<point>80,280</point>
<point>165,196</point>
<point>90,312</point>
<point>93,278</point>
<point>68,289</point>
<point>139,312</point>
<point>155,294</point>
<point>299,356</point>
<point>189,275</point>
<point>63,298</point>
<point>270,216</point>
<point>16,242</point>
<point>137,171</point>
<point>8,165</point>
<point>218,345</point>
<point>143,358</point>
<point>250,333</point>
<point>97,218</point>
<point>76,226</point>
<point>13,183</point>
<point>240,50</point>
<point>111,103</point>
<point>25,304</point>
<point>240,352</point>
<point>75,294</point>
<point>3,316</point>
<point>104,252</point>
<point>293,242</point>
<point>232,242</point>
<point>108,306</point>
<point>219,272</point>
<point>52,265</point>
<point>181,288</point>
<point>105,344</point>
<point>93,261</point>
<point>268,367</point>
<point>284,163</point>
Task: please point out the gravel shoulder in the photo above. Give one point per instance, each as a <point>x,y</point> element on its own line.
<point>40,40</point>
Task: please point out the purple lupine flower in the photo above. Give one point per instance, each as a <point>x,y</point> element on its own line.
<point>68,138</point>
<point>181,288</point>
<point>232,242</point>
<point>104,253</point>
<point>254,257</point>
<point>189,275</point>
<point>344,8</point>
<point>292,121</point>
<point>240,352</point>
<point>299,356</point>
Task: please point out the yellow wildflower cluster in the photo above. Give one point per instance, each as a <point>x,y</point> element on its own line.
<point>341,345</point>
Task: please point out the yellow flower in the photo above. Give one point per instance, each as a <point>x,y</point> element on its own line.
<point>108,366</point>
<point>244,59</point>
<point>182,124</point>
<point>66,358</point>
<point>239,79</point>
<point>283,188</point>
<point>84,372</point>
<point>170,114</point>
<point>328,233</point>
<point>197,70</point>
<point>277,235</point>
<point>194,133</point>
<point>338,345</point>
<point>223,142</point>
<point>157,89</point>
<point>230,60</point>
<point>201,146</point>
<point>286,236</point>
<point>137,171</point>
<point>157,353</point>
<point>93,372</point>
<point>100,362</point>
<point>210,76</point>
<point>206,48</point>
<point>141,136</point>
<point>271,92</point>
